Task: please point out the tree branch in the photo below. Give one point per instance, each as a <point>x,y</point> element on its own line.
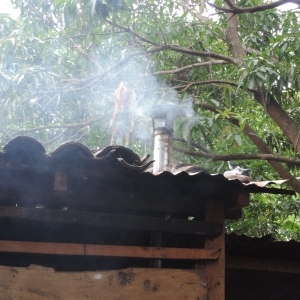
<point>196,65</point>
<point>89,81</point>
<point>197,15</point>
<point>232,34</point>
<point>289,127</point>
<point>254,51</point>
<point>261,145</point>
<point>57,137</point>
<point>206,82</point>
<point>83,124</point>
<point>203,54</point>
<point>92,79</point>
<point>243,156</point>
<point>89,57</point>
<point>196,145</point>
<point>225,58</point>
<point>127,29</point>
<point>181,49</point>
<point>240,10</point>
<point>229,4</point>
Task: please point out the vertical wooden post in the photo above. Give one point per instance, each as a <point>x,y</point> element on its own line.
<point>215,270</point>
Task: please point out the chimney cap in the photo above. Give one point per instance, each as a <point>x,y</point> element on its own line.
<point>167,111</point>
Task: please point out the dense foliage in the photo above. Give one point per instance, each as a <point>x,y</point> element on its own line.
<point>62,60</point>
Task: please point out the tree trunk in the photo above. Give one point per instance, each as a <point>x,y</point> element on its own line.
<point>289,127</point>
<point>278,167</point>
<point>263,148</point>
<point>233,38</point>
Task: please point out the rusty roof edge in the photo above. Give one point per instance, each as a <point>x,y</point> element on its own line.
<point>268,182</point>
<point>252,187</point>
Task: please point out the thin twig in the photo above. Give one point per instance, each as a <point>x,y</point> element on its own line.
<point>197,15</point>
<point>205,82</point>
<point>185,68</point>
<point>83,124</point>
<point>89,57</point>
<point>56,138</point>
<point>196,145</point>
<point>244,156</point>
<point>238,10</point>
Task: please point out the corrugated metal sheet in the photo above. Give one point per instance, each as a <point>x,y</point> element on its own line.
<point>268,182</point>
<point>112,177</point>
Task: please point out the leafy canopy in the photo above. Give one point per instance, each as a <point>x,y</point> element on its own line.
<point>62,60</point>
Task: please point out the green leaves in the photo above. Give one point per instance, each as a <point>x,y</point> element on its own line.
<point>251,82</point>
<point>291,225</point>
<point>61,62</point>
<point>278,217</point>
<point>238,139</point>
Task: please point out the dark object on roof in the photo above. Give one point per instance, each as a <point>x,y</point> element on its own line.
<point>127,154</point>
<point>71,153</point>
<point>190,169</point>
<point>236,172</point>
<point>70,148</point>
<point>123,157</point>
<point>24,143</point>
<point>23,150</point>
<point>231,165</point>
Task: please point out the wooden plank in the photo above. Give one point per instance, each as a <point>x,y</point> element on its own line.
<point>215,271</point>
<point>106,250</point>
<point>36,283</point>
<point>272,265</point>
<point>108,220</point>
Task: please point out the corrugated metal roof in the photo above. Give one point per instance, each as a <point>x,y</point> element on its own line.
<point>116,172</point>
<point>268,182</point>
<point>28,151</point>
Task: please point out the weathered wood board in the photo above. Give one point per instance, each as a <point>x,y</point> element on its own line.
<point>216,269</point>
<point>38,283</point>
<point>107,250</point>
<point>106,220</point>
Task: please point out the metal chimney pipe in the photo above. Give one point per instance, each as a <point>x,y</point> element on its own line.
<point>163,145</point>
<point>163,136</point>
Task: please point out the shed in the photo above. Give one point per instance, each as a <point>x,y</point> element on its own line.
<point>98,226</point>
<point>262,268</point>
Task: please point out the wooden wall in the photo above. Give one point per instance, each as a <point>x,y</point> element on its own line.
<point>37,283</point>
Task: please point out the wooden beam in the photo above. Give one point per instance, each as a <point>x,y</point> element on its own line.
<point>36,283</point>
<point>106,250</point>
<point>108,220</point>
<point>243,199</point>
<point>215,270</point>
<point>272,265</point>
